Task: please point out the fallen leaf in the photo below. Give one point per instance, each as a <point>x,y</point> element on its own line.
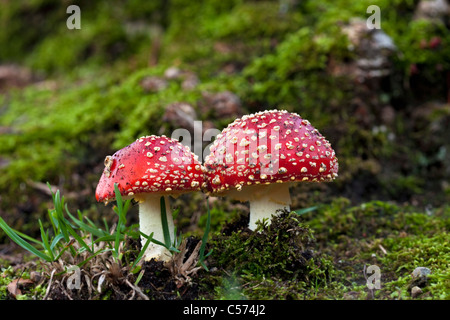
<point>13,286</point>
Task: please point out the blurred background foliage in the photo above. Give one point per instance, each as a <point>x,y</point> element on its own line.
<point>68,98</point>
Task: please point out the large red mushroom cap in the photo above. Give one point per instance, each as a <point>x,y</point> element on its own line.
<point>268,147</point>
<point>151,164</point>
<point>258,156</point>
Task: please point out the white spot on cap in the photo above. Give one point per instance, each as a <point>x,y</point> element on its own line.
<point>216,180</point>
<point>282,170</point>
<point>323,167</point>
<point>194,184</point>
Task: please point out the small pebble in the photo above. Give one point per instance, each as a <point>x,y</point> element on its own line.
<point>35,276</point>
<point>416,291</point>
<point>153,84</point>
<point>421,272</point>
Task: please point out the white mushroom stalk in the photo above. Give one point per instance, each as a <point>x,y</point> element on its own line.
<point>265,201</point>
<point>150,221</point>
<point>262,208</point>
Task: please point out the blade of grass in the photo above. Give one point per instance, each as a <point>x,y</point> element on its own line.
<point>45,243</point>
<point>121,210</point>
<point>139,277</point>
<point>152,240</point>
<point>125,208</point>
<point>79,240</point>
<point>105,224</point>
<point>58,202</point>
<point>176,241</point>
<point>53,221</point>
<point>144,248</point>
<point>119,200</point>
<point>305,210</point>
<point>64,249</point>
<point>91,257</point>
<point>27,238</point>
<point>56,240</point>
<point>25,245</point>
<point>205,238</point>
<point>86,227</point>
<point>109,238</point>
<point>164,223</point>
<point>63,224</point>
<point>117,239</point>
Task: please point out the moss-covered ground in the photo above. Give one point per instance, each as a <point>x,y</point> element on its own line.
<point>68,98</point>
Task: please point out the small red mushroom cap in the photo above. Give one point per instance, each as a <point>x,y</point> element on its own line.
<point>151,164</point>
<point>268,147</point>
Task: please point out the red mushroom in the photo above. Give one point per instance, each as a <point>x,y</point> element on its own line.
<point>145,170</point>
<point>256,158</point>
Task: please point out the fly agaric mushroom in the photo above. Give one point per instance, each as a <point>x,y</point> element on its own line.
<point>145,170</point>
<point>257,157</point>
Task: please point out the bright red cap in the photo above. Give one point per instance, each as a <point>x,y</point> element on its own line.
<point>151,164</point>
<point>268,147</point>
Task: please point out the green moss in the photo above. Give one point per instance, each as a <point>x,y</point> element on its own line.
<point>347,239</point>
<point>280,255</point>
<point>375,218</point>
<point>240,22</point>
<point>416,43</point>
<point>246,251</point>
<point>406,253</point>
<point>229,288</point>
<point>295,73</point>
<point>396,239</point>
<point>48,131</point>
<point>108,33</point>
<point>29,292</point>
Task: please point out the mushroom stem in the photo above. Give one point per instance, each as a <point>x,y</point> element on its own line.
<point>264,205</point>
<point>150,221</point>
